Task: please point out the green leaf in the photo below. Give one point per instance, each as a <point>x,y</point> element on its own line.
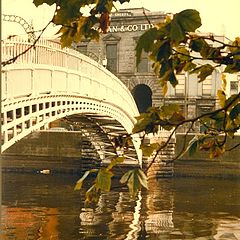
<point>222,97</point>
<point>79,183</point>
<point>142,178</point>
<point>197,44</point>
<point>135,179</point>
<point>164,51</point>
<point>92,195</point>
<point>40,2</point>
<point>123,1</point>
<point>189,66</point>
<point>183,22</point>
<point>169,109</point>
<point>183,54</point>
<point>235,111</point>
<point>103,180</point>
<point>193,147</point>
<point>125,177</point>
<point>176,118</point>
<point>149,149</point>
<point>115,162</point>
<point>172,79</point>
<point>177,34</point>
<point>145,42</point>
<point>189,19</point>
<point>206,70</point>
<point>203,71</point>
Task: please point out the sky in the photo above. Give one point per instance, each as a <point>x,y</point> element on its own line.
<point>218,16</point>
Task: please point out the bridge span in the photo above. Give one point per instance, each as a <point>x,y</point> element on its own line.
<point>49,83</point>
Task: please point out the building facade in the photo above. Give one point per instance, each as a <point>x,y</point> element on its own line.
<point>116,50</point>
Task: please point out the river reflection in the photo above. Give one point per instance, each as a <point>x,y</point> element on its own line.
<point>45,207</point>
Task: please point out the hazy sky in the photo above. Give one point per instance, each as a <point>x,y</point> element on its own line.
<point>218,16</point>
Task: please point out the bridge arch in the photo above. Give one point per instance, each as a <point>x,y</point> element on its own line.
<point>49,83</point>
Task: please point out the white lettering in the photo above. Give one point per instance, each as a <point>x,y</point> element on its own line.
<point>135,27</point>
<point>122,29</point>
<point>114,29</point>
<point>129,28</point>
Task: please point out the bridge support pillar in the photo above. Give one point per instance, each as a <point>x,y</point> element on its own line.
<point>161,166</point>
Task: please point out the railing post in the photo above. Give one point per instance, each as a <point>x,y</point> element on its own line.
<point>33,84</point>
<point>14,127</point>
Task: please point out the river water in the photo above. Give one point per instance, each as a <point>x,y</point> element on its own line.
<point>42,207</point>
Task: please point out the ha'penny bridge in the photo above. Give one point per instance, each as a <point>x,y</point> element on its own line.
<point>48,83</point>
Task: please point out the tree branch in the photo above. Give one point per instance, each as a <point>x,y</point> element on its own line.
<point>13,59</point>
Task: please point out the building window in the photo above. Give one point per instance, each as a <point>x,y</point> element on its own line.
<point>143,65</point>
<point>111,55</point>
<point>180,88</point>
<point>207,86</point>
<point>233,87</point>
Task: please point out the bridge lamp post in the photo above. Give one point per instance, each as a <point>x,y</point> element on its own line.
<point>104,62</point>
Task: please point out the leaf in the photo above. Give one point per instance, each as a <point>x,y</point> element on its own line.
<point>115,162</point>
<point>177,34</point>
<point>176,118</point>
<point>198,44</point>
<point>183,54</point>
<point>189,19</point>
<point>224,82</point>
<point>192,146</point>
<point>164,51</point>
<point>142,178</point>
<point>103,180</point>
<point>183,22</point>
<point>169,109</point>
<point>216,152</point>
<point>172,79</point>
<point>205,71</point>
<point>40,2</point>
<point>79,183</point>
<point>92,195</point>
<point>189,66</point>
<point>222,97</point>
<point>164,89</point>
<point>235,112</point>
<point>104,22</point>
<point>125,177</point>
<point>149,149</point>
<point>135,179</point>
<point>145,42</point>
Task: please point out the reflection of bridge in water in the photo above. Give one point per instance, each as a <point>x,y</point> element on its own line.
<point>49,83</point>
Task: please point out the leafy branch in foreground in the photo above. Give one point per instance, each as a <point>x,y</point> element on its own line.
<point>81,19</point>
<point>175,48</point>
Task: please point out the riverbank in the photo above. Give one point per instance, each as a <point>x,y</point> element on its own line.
<point>60,152</point>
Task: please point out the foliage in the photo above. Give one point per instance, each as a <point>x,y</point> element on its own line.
<point>78,17</point>
<point>174,47</point>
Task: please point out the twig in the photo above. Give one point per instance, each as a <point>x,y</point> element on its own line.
<point>161,148</point>
<point>144,13</point>
<point>12,60</point>
<point>230,149</point>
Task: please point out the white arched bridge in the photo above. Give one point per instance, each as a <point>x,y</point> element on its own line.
<point>49,83</point>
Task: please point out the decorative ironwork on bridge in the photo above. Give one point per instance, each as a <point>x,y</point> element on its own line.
<point>28,28</point>
<point>49,83</point>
